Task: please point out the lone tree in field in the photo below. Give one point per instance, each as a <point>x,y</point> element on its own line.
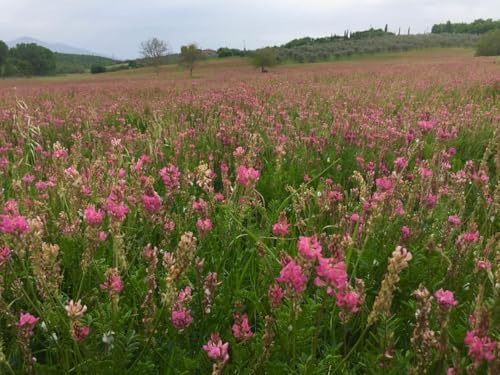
<point>190,54</point>
<point>264,57</point>
<point>153,51</point>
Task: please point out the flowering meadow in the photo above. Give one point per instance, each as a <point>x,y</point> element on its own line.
<point>319,219</point>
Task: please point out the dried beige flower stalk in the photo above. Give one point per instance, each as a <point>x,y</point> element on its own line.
<point>398,262</point>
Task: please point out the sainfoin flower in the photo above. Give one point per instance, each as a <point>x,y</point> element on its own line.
<point>241,327</point>
<point>75,310</point>
<point>291,275</point>
<point>113,283</point>
<point>281,228</point>
<point>93,216</point>
<point>454,220</point>
<point>151,201</point>
<point>204,225</point>
<point>445,297</point>
<point>384,184</point>
<point>246,176</point>
<point>330,274</point>
<point>309,247</point>
<point>480,347</point>
<point>216,349</point>
<point>5,255</point>
<point>405,232</point>
<point>348,300</point>
<point>275,294</point>
<point>181,315</point>
<point>13,224</point>
<point>171,177</point>
<point>27,320</point>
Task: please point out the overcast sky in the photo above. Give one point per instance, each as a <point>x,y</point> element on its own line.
<point>116,27</point>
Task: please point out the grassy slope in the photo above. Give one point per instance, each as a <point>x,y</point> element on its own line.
<point>220,68</point>
<point>71,63</point>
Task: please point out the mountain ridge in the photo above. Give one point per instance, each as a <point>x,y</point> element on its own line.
<point>54,47</point>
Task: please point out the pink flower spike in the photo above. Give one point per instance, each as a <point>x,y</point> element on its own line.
<point>216,349</point>
<point>445,298</point>
<point>5,255</point>
<point>309,247</point>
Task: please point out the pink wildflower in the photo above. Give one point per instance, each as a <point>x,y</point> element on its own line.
<point>472,236</point>
<point>246,176</point>
<point>204,225</point>
<point>309,247</point>
<point>481,264</point>
<point>5,255</point>
<point>80,332</point>
<point>241,328</point>
<point>401,162</point>
<point>291,275</point>
<point>216,349</point>
<point>181,315</point>
<point>454,220</point>
<point>425,172</point>
<point>281,228</point>
<point>116,210</point>
<point>102,236</point>
<point>330,274</point>
<point>405,232</point>
<point>348,300</point>
<point>151,201</point>
<point>171,177</point>
<point>445,297</point>
<point>27,323</point>
<point>275,294</point>
<point>93,216</point>
<point>480,347</point>
<point>13,224</point>
<point>384,184</point>
<point>431,200</point>
<point>113,283</point>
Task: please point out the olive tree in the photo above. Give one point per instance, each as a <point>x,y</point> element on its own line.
<point>190,55</point>
<point>264,57</point>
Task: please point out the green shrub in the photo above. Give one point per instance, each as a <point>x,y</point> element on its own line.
<point>489,44</point>
<point>96,68</point>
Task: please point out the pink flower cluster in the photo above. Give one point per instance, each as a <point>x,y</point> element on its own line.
<point>216,349</point>
<point>13,224</point>
<point>151,201</point>
<point>113,283</point>
<point>281,228</point>
<point>204,225</point>
<point>171,177</point>
<point>480,347</point>
<point>116,208</point>
<point>92,216</point>
<point>241,328</point>
<point>247,176</point>
<point>309,247</point>
<point>181,316</point>
<point>5,255</point>
<point>445,298</point>
<point>330,274</point>
<point>292,276</point>
<point>27,323</point>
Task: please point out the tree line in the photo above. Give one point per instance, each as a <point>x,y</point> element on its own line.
<point>26,59</point>
<point>478,26</point>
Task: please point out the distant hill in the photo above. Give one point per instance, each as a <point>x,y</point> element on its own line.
<point>69,59</point>
<point>54,47</point>
<point>72,63</point>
